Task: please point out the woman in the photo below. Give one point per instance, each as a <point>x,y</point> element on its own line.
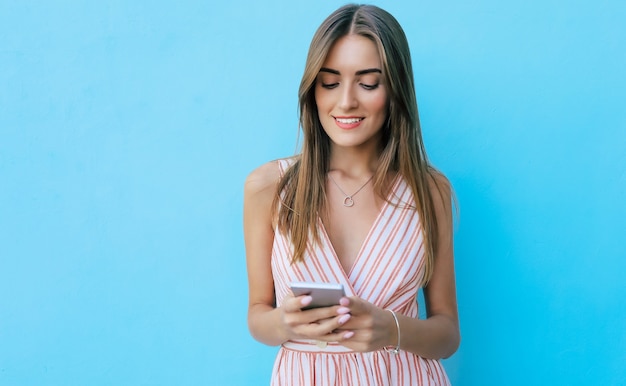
<point>360,206</point>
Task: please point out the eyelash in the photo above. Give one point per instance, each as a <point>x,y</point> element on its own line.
<point>330,86</point>
<point>369,87</point>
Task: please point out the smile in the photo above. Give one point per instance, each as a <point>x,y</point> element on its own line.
<point>348,121</point>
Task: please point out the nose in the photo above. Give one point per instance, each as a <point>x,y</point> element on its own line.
<point>348,98</point>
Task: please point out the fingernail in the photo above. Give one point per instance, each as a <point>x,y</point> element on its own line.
<point>306,300</point>
<point>344,301</point>
<point>348,335</point>
<point>343,310</point>
<point>344,319</point>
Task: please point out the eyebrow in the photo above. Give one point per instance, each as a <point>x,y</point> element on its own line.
<point>360,72</point>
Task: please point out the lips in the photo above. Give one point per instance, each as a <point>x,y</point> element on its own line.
<point>348,122</point>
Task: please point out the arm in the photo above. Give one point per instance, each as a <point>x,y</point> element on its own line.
<point>438,335</point>
<point>267,323</point>
<point>259,191</point>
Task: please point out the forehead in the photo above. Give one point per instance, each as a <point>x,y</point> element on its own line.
<point>351,53</point>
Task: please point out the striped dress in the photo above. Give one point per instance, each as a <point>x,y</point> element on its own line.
<point>387,273</point>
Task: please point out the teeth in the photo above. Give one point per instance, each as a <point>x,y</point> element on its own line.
<point>348,120</point>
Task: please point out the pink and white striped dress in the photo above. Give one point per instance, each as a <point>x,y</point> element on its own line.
<point>387,273</point>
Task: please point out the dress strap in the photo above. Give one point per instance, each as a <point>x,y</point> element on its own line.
<point>284,164</point>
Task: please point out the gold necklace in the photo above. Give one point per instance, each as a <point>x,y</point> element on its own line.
<point>348,201</point>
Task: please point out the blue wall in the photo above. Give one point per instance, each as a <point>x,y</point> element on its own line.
<point>127,130</point>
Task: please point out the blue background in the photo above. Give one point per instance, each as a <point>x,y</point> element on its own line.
<point>127,130</point>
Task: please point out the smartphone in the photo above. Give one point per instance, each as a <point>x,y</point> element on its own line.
<point>323,294</point>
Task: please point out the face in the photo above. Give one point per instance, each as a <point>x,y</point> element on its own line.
<point>350,93</point>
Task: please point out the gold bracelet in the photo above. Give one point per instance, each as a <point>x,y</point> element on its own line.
<point>390,349</point>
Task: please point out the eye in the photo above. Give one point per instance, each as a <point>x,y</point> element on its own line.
<point>329,86</point>
<point>370,86</point>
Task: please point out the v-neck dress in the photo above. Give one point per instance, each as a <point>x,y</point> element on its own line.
<point>387,272</point>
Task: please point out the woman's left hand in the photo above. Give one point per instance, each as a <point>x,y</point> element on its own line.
<point>374,328</point>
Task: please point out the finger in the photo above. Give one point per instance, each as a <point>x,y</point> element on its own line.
<point>343,310</point>
<point>323,313</point>
<point>314,322</point>
<point>338,335</point>
<point>355,305</point>
<point>328,327</point>
<point>294,304</point>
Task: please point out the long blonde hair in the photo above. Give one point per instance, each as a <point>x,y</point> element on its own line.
<point>301,192</point>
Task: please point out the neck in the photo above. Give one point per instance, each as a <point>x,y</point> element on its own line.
<point>353,162</point>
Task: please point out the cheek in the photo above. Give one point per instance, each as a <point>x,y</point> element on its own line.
<point>319,99</point>
<point>323,103</point>
<point>379,104</point>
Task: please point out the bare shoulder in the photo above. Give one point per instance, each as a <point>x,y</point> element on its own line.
<point>263,180</point>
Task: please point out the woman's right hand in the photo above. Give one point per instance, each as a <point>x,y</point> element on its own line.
<point>316,323</point>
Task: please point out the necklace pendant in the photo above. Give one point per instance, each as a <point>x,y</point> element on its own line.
<point>348,201</point>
